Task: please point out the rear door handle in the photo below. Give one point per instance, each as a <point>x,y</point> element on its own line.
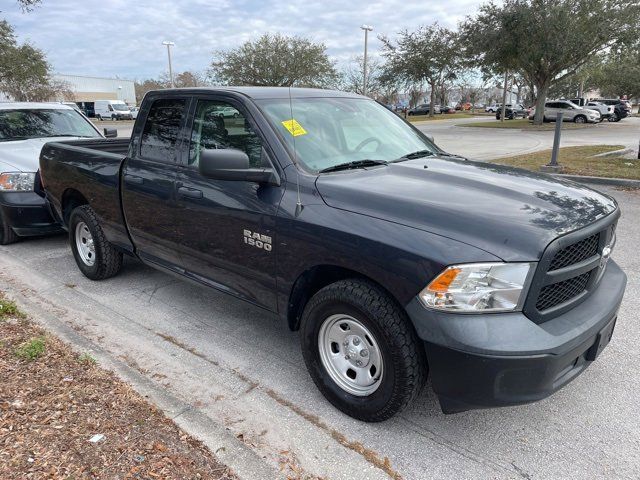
<point>190,192</point>
<point>133,179</point>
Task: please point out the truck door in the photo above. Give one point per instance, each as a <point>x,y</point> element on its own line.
<point>149,183</point>
<point>227,227</point>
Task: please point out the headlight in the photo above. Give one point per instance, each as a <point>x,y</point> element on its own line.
<point>479,287</point>
<point>17,182</point>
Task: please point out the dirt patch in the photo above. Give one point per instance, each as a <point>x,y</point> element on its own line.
<point>62,416</point>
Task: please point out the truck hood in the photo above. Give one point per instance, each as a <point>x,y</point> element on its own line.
<point>511,213</point>
<point>24,155</point>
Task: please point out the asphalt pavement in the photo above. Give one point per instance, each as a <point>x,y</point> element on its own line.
<point>239,367</point>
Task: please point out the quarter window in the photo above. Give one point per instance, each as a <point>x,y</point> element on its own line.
<point>219,124</point>
<point>161,130</point>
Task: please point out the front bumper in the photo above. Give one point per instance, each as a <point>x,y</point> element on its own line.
<point>28,214</point>
<point>491,360</point>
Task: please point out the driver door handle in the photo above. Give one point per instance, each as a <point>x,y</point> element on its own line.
<point>190,192</point>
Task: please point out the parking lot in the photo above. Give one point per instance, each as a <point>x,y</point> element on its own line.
<point>487,143</point>
<point>243,368</point>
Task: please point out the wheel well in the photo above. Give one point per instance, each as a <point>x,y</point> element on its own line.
<point>310,282</point>
<point>70,200</point>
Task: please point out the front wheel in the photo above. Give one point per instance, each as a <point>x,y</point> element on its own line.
<point>96,258</point>
<point>361,350</point>
<point>580,119</point>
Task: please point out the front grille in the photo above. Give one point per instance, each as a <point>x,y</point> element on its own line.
<point>576,252</point>
<point>569,270</point>
<point>560,292</point>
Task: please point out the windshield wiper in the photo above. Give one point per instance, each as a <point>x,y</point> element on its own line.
<point>414,155</point>
<point>353,164</point>
<point>451,155</point>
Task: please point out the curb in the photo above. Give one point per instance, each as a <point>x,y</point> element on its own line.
<point>230,451</point>
<point>616,153</point>
<point>615,182</point>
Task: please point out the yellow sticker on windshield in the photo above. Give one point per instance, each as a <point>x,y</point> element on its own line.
<point>294,127</point>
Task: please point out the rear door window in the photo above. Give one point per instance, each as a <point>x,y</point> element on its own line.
<point>161,129</point>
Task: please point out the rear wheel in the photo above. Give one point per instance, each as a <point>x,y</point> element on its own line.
<point>99,117</point>
<point>7,235</point>
<point>580,119</point>
<point>361,350</point>
<point>96,258</point>
<point>114,118</point>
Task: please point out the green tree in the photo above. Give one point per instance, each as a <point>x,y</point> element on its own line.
<point>429,55</point>
<point>619,74</point>
<point>25,74</point>
<point>546,40</point>
<point>275,60</point>
<point>353,76</point>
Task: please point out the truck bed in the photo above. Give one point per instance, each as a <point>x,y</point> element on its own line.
<point>87,171</point>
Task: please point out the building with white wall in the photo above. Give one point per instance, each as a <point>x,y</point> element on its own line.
<point>89,89</point>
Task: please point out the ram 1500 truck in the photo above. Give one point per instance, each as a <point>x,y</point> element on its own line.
<point>391,257</point>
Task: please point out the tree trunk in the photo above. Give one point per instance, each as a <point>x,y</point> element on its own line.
<point>432,99</point>
<point>543,91</point>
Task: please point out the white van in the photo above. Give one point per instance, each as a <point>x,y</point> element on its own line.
<point>112,110</point>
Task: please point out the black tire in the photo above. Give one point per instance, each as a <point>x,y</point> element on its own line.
<point>114,118</point>
<point>404,363</point>
<point>107,261</point>
<point>99,117</point>
<point>580,119</point>
<point>7,235</point>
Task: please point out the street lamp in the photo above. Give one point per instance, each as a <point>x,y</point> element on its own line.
<point>169,45</point>
<point>367,29</point>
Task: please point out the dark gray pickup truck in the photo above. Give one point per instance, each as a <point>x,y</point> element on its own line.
<point>391,257</point>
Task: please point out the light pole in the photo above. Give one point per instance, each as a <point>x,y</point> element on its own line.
<point>169,45</point>
<point>367,29</point>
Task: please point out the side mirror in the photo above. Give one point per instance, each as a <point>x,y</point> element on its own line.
<point>110,132</point>
<point>430,137</point>
<point>233,165</point>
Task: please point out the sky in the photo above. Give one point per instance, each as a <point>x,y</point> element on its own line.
<point>124,37</point>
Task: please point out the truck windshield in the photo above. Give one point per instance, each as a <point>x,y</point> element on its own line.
<point>121,107</point>
<point>330,131</point>
<point>38,123</point>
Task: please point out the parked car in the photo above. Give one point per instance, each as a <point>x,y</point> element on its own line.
<point>423,109</point>
<point>112,110</point>
<point>24,128</point>
<point>512,112</point>
<point>493,108</point>
<point>385,252</point>
<point>227,112</point>
<point>605,110</point>
<point>621,108</point>
<point>464,106</point>
<point>134,112</point>
<point>571,112</point>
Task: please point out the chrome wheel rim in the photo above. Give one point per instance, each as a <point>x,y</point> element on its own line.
<point>84,244</point>
<point>350,355</point>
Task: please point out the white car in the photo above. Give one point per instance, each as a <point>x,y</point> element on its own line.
<point>606,111</point>
<point>134,112</point>
<point>493,108</point>
<point>24,129</point>
<point>571,112</point>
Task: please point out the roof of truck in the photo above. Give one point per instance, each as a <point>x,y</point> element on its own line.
<point>269,92</point>
<point>33,106</point>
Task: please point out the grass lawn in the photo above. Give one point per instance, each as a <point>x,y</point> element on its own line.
<point>580,161</point>
<point>525,124</point>
<point>442,116</point>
